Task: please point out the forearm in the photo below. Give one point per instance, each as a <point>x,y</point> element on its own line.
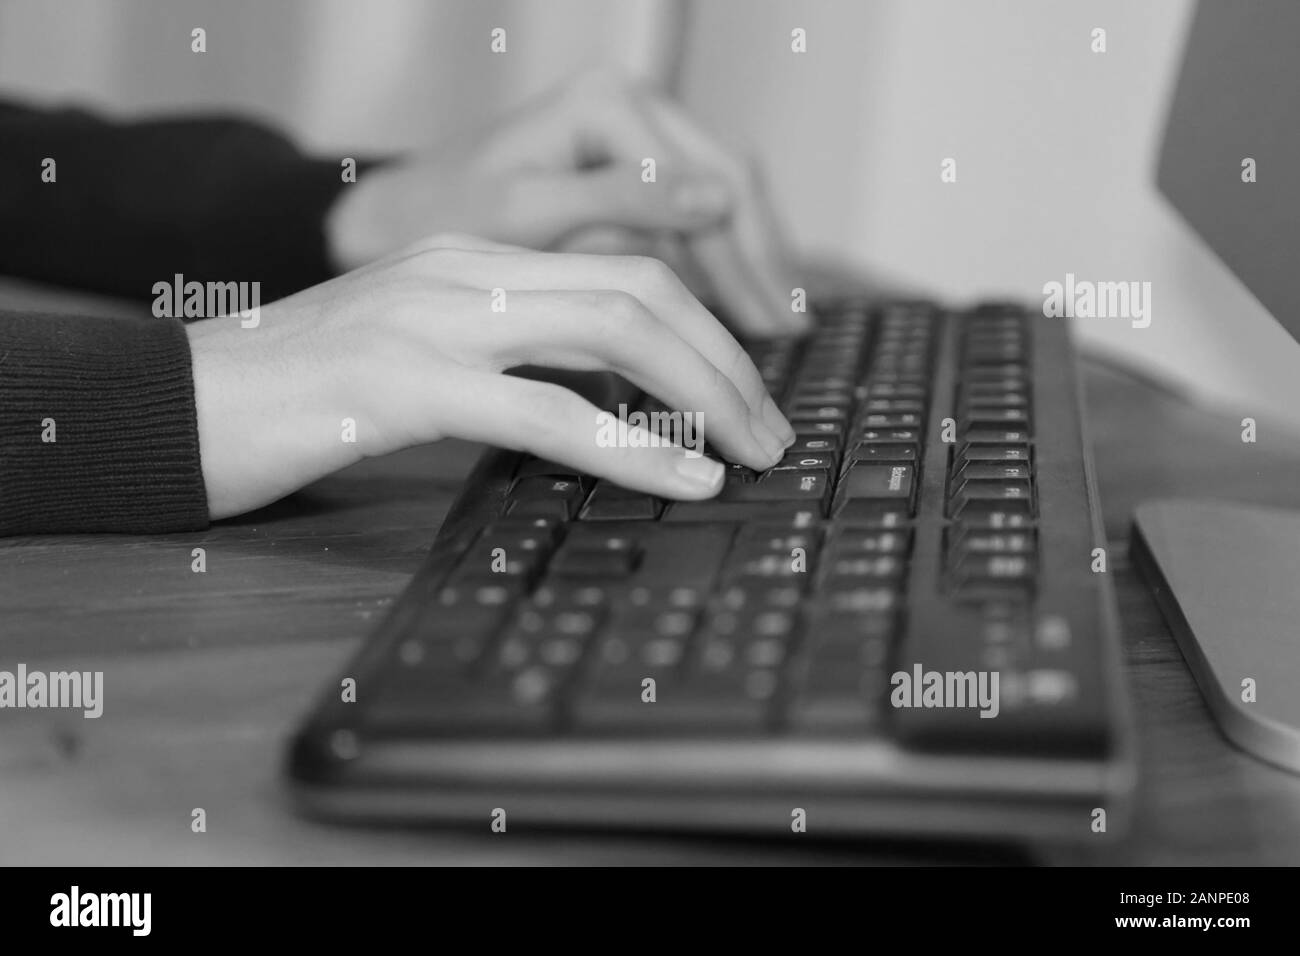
<point>127,204</point>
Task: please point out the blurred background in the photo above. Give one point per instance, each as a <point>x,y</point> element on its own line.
<point>1055,145</point>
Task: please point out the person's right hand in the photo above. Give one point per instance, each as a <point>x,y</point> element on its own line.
<point>410,349</point>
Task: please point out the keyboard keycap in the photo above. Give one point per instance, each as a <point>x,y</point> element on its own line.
<point>544,497</point>
<point>609,502</point>
<point>866,485</point>
<point>613,558</point>
<point>883,452</point>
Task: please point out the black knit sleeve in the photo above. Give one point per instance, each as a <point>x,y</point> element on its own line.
<point>117,206</point>
<point>97,426</point>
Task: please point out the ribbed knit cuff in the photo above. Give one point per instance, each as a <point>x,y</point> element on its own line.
<point>98,430</point>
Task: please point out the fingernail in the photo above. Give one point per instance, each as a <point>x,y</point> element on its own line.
<point>772,446</point>
<point>777,422</point>
<point>701,197</point>
<point>700,474</point>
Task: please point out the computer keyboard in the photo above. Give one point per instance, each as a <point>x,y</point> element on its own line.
<point>901,628</point>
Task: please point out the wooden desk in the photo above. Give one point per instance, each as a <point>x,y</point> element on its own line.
<point>205,674</point>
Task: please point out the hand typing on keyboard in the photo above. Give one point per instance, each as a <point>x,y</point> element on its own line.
<point>408,348</point>
<point>411,349</point>
<point>600,161</point>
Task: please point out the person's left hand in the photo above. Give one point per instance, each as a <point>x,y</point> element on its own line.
<point>571,164</point>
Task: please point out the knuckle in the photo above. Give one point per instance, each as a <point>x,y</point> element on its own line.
<point>430,243</point>
<point>618,312</point>
<point>447,259</point>
<point>449,240</point>
<point>647,272</point>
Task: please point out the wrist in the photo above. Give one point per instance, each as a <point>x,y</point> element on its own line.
<point>267,422</point>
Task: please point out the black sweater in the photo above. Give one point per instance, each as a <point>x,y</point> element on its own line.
<point>97,421</point>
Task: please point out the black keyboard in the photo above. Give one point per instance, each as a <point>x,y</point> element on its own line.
<point>898,629</point>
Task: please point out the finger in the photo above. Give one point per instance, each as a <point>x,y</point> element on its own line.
<point>613,331</point>
<point>738,289</point>
<point>652,282</point>
<point>455,240</point>
<point>552,206</point>
<point>554,423</point>
<point>753,227</point>
<point>626,122</point>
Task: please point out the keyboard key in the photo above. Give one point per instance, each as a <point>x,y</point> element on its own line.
<point>896,390</point>
<point>998,493</point>
<point>609,502</point>
<point>809,461</point>
<point>892,420</point>
<point>711,695</point>
<point>889,435</point>
<point>810,444</point>
<point>807,428</point>
<point>881,568</point>
<point>962,541</point>
<point>875,514</point>
<point>769,566</point>
<point>832,697</point>
<point>865,485</point>
<point>544,497</point>
<point>488,561</point>
<point>976,453</point>
<point>1015,418</point>
<point>881,452</point>
<point>987,435</point>
<point>614,557</point>
<point>994,515</point>
<point>1005,470</point>
<point>788,492</point>
<point>789,486</point>
<point>848,595</point>
<point>1007,567</point>
<point>542,468</point>
<point>810,414</point>
<point>525,533</point>
<point>850,542</point>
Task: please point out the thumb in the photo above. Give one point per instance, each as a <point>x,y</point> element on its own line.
<point>616,195</point>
